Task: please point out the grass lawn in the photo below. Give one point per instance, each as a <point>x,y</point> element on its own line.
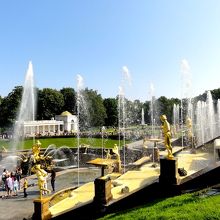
<point>70,142</point>
<point>187,207</point>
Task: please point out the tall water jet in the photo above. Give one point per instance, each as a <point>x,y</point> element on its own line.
<point>121,118</point>
<point>176,118</point>
<point>142,117</point>
<point>152,109</point>
<point>206,120</point>
<point>210,115</point>
<point>103,131</point>
<point>122,113</point>
<point>186,94</point>
<point>26,109</point>
<point>81,103</point>
<point>200,122</point>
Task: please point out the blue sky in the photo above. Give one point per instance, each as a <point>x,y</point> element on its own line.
<point>97,38</point>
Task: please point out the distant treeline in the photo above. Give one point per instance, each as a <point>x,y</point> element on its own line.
<point>94,111</point>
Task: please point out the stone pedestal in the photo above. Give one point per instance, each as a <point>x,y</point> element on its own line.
<point>102,190</point>
<point>169,171</point>
<point>41,209</point>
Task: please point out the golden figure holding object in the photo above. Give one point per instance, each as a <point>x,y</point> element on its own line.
<point>167,136</point>
<point>36,167</point>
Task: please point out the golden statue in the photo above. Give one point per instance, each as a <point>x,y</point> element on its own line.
<point>145,142</point>
<point>36,167</point>
<point>167,135</point>
<point>41,175</point>
<point>36,151</point>
<point>110,153</point>
<point>116,152</point>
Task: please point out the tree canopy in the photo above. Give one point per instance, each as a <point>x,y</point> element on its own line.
<point>50,103</point>
<point>98,111</point>
<point>69,97</point>
<point>110,105</point>
<point>9,107</point>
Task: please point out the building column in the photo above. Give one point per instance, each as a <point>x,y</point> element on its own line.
<point>58,128</point>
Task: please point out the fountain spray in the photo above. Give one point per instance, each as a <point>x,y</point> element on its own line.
<point>26,109</point>
<point>78,102</point>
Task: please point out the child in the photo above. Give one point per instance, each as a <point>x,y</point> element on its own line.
<point>25,186</point>
<point>15,186</point>
<point>45,184</point>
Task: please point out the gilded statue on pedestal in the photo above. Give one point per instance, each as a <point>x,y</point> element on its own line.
<point>37,167</point>
<point>167,136</point>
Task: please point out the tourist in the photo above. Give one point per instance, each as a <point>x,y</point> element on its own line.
<point>4,177</point>
<point>45,184</point>
<point>13,175</point>
<point>9,184</point>
<point>15,189</point>
<point>25,186</point>
<point>53,178</point>
<point>18,174</point>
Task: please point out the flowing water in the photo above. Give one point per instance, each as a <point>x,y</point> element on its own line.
<point>26,113</point>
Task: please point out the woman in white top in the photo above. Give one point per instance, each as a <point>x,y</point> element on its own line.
<point>9,182</point>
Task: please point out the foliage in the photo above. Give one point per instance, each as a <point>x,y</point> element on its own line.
<point>166,106</point>
<point>216,94</point>
<point>133,112</point>
<point>96,108</point>
<point>9,106</point>
<point>110,105</point>
<point>69,96</point>
<point>146,107</point>
<point>187,206</point>
<point>99,112</point>
<point>50,103</point>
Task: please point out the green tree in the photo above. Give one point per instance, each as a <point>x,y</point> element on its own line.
<point>146,107</point>
<point>10,106</point>
<point>136,112</point>
<point>111,111</point>
<point>216,94</point>
<point>50,103</point>
<point>96,108</point>
<point>165,107</point>
<point>69,96</point>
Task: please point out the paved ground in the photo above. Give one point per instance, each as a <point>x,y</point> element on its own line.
<point>19,208</point>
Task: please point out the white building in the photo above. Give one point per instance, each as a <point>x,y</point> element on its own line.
<point>70,121</point>
<point>66,122</point>
<point>42,127</point>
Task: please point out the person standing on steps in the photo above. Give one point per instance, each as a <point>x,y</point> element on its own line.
<point>53,178</point>
<point>25,186</point>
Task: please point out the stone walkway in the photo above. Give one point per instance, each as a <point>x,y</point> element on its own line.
<point>20,208</point>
